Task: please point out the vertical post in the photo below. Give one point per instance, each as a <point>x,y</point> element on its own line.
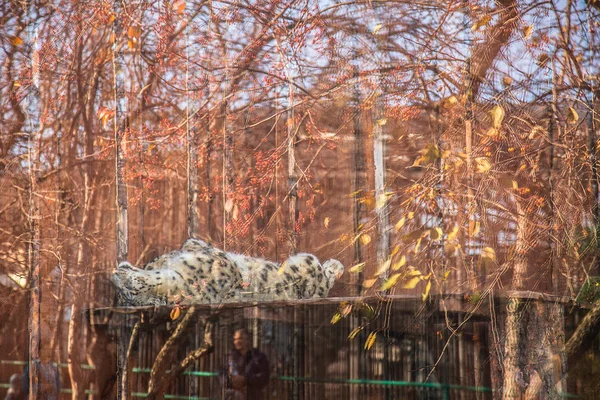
<point>119,126</point>
<point>32,126</point>
<point>292,176</point>
<point>192,159</point>
<point>119,129</point>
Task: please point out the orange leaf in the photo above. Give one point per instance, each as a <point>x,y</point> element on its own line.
<point>175,313</point>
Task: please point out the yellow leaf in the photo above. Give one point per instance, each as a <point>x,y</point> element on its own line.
<point>368,283</point>
<point>418,246</point>
<point>400,224</point>
<point>446,274</point>
<point>399,264</point>
<point>381,121</point>
<point>410,215</point>
<point>345,310</point>
<point>487,253</point>
<point>376,29</point>
<point>17,83</point>
<point>16,41</point>
<point>427,289</point>
<point>365,239</point>
<point>535,130</point>
<point>179,6</point>
<point>572,116</point>
<point>370,340</point>
<point>449,102</point>
<point>543,60</point>
<point>326,222</point>
<point>336,318</point>
<point>482,165</point>
<point>481,22</point>
<point>497,114</point>
<point>527,31</point>
<point>384,267</point>
<point>507,81</point>
<point>355,332</point>
<point>413,235</point>
<point>411,283</point>
<point>452,234</point>
<point>474,228</point>
<point>134,32</point>
<point>395,250</point>
<point>357,268</point>
<point>282,268</point>
<point>390,282</point>
<point>449,249</point>
<point>175,312</point>
<point>229,205</point>
<point>435,233</point>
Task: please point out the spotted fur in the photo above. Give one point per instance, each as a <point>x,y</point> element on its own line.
<point>201,273</point>
<point>197,273</point>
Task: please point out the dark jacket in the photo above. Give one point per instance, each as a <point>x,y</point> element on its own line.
<point>254,366</point>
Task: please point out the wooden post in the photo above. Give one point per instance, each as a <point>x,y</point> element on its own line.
<point>121,188</point>
<point>32,127</point>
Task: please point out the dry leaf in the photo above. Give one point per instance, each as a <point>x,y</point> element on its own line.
<point>179,6</point>
<point>336,318</point>
<point>481,22</point>
<point>446,274</point>
<point>384,267</point>
<point>487,253</point>
<point>365,239</point>
<point>16,41</point>
<point>543,60</point>
<point>427,289</point>
<point>355,332</point>
<point>474,228</point>
<point>527,31</point>
<point>435,233</point>
<point>572,116</point>
<point>175,313</point>
<point>449,102</point>
<point>417,246</point>
<point>345,310</point>
<point>497,114</point>
<point>399,264</point>
<point>370,340</point>
<point>376,29</point>
<point>411,283</point>
<point>507,81</point>
<point>368,283</point>
<point>452,234</point>
<point>391,282</point>
<point>229,205</point>
<point>282,268</point>
<point>357,268</point>
<point>482,165</point>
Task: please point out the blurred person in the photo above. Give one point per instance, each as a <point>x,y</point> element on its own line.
<point>247,372</point>
<point>14,391</point>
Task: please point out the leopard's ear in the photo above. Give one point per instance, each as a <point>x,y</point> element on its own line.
<point>333,268</point>
<point>125,265</point>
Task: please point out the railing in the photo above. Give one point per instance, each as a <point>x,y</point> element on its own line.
<point>444,387</point>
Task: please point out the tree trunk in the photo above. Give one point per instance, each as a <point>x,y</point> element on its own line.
<point>121,188</point>
<point>32,127</point>
<point>292,176</point>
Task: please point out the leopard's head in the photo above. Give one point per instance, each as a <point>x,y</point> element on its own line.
<point>333,270</point>
<point>133,286</point>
